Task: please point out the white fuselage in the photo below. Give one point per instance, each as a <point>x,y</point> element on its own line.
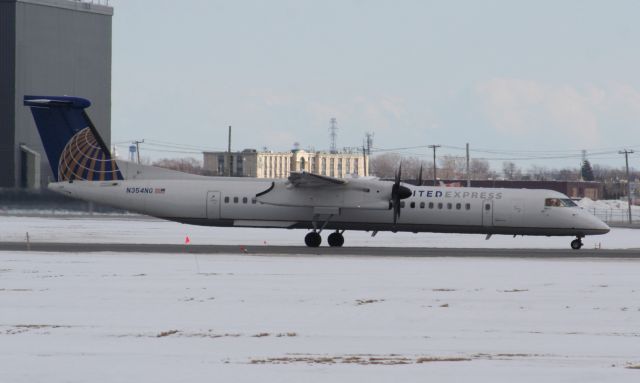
<point>233,202</point>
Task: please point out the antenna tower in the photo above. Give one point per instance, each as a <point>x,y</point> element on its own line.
<point>333,133</point>
<point>368,142</point>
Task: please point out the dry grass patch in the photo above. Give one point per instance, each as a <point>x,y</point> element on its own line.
<point>442,359</point>
<point>360,302</point>
<point>260,335</point>
<point>286,334</point>
<point>386,360</point>
<point>166,333</point>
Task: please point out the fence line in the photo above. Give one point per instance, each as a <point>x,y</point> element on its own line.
<point>615,215</point>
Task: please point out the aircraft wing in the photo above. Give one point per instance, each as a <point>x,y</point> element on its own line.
<point>316,191</point>
<point>310,180</point>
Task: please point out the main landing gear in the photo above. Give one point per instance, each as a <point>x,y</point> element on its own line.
<point>576,244</point>
<point>313,239</point>
<point>335,239</point>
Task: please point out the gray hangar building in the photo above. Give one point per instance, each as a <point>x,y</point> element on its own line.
<point>49,48</point>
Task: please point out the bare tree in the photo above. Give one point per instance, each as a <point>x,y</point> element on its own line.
<point>452,167</point>
<point>511,171</point>
<point>567,174</point>
<point>187,165</point>
<point>479,169</point>
<point>385,165</point>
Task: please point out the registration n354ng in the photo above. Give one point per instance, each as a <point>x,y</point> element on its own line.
<point>84,168</point>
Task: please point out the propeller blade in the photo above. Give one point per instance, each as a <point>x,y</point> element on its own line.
<point>398,192</point>
<point>396,212</point>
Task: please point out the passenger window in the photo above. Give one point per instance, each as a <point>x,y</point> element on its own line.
<point>244,200</point>
<point>487,207</point>
<point>253,201</point>
<point>235,199</point>
<point>458,206</point>
<point>430,205</point>
<point>226,199</point>
<point>439,205</point>
<point>421,205</point>
<point>413,205</point>
<point>467,206</point>
<point>449,205</point>
<point>402,204</point>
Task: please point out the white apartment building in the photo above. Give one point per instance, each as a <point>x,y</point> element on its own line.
<point>251,163</point>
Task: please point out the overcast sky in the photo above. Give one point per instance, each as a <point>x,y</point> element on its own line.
<point>536,78</point>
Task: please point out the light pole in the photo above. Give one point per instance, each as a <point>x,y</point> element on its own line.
<point>626,160</point>
<point>434,147</point>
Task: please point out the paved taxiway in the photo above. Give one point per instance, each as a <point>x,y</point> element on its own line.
<point>302,250</point>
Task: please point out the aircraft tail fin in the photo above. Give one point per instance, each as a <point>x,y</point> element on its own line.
<point>74,148</point>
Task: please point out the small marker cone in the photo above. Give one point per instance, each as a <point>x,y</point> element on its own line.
<point>187,240</point>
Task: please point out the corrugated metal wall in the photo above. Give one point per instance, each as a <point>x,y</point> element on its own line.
<point>61,48</point>
<point>7,91</point>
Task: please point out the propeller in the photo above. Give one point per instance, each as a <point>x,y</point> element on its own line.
<point>398,192</point>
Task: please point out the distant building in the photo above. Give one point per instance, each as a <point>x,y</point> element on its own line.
<point>49,48</point>
<point>251,163</point>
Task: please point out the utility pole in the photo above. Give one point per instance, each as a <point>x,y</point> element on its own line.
<point>229,154</point>
<point>364,161</point>
<point>626,160</point>
<point>137,143</point>
<point>434,147</point>
<point>468,172</point>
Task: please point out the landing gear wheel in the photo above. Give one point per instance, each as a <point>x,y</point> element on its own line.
<point>576,244</point>
<point>313,239</point>
<point>336,239</point>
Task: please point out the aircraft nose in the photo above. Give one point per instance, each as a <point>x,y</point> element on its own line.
<point>598,226</point>
<point>604,227</point>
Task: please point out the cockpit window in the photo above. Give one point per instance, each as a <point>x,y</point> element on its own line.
<point>559,202</point>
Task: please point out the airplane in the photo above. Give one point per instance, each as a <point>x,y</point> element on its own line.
<point>84,168</point>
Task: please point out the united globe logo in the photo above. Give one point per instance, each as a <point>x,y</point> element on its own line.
<point>84,159</point>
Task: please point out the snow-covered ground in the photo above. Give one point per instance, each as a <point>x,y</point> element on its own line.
<point>106,317</point>
<point>138,229</point>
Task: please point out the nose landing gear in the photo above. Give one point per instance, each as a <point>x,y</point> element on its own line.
<point>576,244</point>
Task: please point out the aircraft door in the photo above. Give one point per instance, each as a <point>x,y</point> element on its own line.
<point>517,213</point>
<point>213,205</point>
<point>487,212</point>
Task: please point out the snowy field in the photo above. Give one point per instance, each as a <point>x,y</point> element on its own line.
<point>139,229</point>
<point>132,317</point>
<point>107,317</point>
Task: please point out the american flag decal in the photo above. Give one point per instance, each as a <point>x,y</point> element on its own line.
<point>159,191</point>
